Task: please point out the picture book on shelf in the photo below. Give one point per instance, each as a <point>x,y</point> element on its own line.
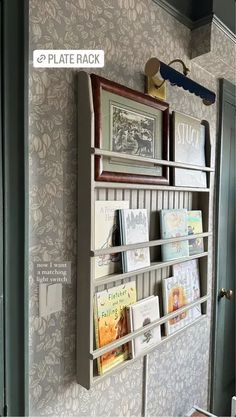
<point>111,323</point>
<point>188,147</point>
<point>107,234</point>
<point>195,227</point>
<point>179,290</point>
<point>134,229</point>
<point>174,224</point>
<point>139,315</point>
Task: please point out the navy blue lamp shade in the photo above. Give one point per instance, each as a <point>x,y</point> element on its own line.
<point>176,78</point>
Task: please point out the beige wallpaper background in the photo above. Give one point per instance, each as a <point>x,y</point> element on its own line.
<point>130,32</point>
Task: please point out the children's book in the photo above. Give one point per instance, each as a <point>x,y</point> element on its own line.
<point>107,234</point>
<point>179,290</point>
<point>195,227</point>
<point>134,229</point>
<point>111,323</point>
<point>174,224</point>
<point>140,315</point>
<point>188,147</point>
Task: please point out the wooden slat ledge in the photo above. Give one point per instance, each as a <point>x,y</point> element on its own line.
<point>120,367</point>
<point>150,243</point>
<point>154,266</point>
<point>150,161</point>
<point>125,339</point>
<point>132,186</point>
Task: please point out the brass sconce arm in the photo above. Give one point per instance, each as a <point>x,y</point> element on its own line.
<point>186,70</point>
<point>154,67</point>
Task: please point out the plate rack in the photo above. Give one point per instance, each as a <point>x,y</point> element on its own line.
<point>148,280</point>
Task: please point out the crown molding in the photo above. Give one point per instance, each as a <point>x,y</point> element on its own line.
<point>203,21</point>
<point>211,18</point>
<point>175,13</point>
<point>224,28</point>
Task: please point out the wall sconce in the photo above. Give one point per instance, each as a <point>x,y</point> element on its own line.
<point>157,73</point>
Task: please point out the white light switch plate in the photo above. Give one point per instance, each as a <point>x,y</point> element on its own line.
<point>50,299</point>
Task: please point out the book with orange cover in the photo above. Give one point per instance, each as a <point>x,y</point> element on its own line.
<point>111,323</point>
<point>179,290</point>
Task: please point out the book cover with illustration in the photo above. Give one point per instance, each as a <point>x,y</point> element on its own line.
<point>140,315</point>
<point>107,234</point>
<point>195,227</point>
<point>111,322</point>
<point>179,290</point>
<point>134,229</point>
<point>174,224</point>
<point>188,147</point>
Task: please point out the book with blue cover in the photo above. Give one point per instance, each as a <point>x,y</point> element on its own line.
<point>174,223</point>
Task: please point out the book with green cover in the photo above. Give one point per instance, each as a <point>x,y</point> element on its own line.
<point>174,224</point>
<point>195,227</point>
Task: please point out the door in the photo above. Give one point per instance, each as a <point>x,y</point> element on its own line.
<point>13,203</point>
<point>2,401</point>
<point>223,381</point>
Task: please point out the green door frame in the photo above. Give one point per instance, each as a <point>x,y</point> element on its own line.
<point>2,397</point>
<point>15,202</point>
<point>227,93</point>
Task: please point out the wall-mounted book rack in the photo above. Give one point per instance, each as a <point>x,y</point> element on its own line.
<point>148,279</point>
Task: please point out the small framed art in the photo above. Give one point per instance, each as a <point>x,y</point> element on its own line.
<point>188,146</point>
<point>130,123</point>
<point>198,412</point>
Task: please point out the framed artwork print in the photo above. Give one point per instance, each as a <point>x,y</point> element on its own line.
<point>188,146</point>
<point>132,123</point>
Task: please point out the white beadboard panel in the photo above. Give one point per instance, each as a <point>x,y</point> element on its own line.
<point>153,201</point>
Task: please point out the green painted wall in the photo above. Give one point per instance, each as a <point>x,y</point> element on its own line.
<point>192,9</point>
<point>15,201</point>
<point>226,11</point>
<point>195,10</point>
<point>1,253</point>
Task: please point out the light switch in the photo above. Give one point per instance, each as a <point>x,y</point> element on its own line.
<point>50,299</point>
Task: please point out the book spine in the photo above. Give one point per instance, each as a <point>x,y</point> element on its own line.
<point>130,329</point>
<point>165,305</point>
<point>164,248</point>
<point>122,238</point>
<point>95,309</point>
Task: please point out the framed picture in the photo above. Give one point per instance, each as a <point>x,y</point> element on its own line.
<point>188,146</point>
<point>198,412</point>
<point>132,123</point>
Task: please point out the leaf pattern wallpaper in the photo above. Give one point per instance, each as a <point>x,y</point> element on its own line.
<point>130,32</point>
